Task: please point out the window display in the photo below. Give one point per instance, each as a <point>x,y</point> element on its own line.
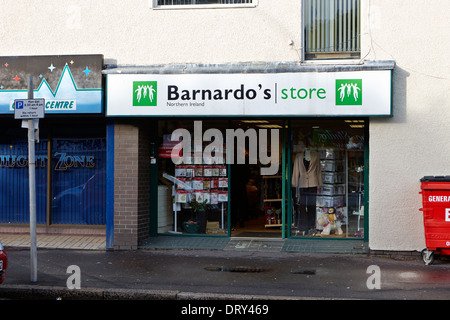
<point>193,190</point>
<point>306,177</point>
<point>327,182</point>
<point>200,188</point>
<point>322,194</point>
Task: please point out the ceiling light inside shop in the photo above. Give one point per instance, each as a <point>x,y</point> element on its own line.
<point>255,121</point>
<point>272,126</point>
<point>355,123</point>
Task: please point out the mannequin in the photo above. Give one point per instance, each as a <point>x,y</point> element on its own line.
<point>306,177</point>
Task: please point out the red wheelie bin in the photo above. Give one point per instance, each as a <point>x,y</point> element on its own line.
<point>436,216</point>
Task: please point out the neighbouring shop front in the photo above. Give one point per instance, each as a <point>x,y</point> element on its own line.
<point>71,151</point>
<point>256,154</point>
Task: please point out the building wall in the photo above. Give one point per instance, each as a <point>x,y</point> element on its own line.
<point>131,184</point>
<point>130,32</point>
<point>126,173</point>
<point>404,148</point>
<point>414,142</point>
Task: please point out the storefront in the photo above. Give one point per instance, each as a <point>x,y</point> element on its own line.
<point>280,152</point>
<point>243,200</point>
<point>71,151</point>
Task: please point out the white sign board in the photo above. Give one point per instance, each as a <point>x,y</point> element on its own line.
<point>29,108</point>
<point>356,93</point>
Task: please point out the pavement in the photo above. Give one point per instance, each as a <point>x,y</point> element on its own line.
<point>254,270</point>
<point>54,241</point>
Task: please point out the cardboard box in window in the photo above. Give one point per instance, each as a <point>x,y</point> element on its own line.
<point>332,177</point>
<point>332,165</point>
<point>330,201</point>
<point>212,227</point>
<point>331,154</point>
<point>331,189</point>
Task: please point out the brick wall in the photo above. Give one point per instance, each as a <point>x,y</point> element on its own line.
<point>131,184</point>
<point>144,184</point>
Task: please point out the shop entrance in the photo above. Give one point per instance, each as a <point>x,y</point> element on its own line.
<point>203,188</point>
<point>256,198</point>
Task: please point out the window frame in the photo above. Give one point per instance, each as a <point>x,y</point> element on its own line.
<point>327,60</point>
<point>154,5</point>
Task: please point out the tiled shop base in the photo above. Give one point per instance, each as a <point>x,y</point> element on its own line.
<point>200,243</point>
<point>55,241</point>
<point>256,244</point>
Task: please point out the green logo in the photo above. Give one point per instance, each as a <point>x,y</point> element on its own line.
<point>348,92</point>
<point>145,93</point>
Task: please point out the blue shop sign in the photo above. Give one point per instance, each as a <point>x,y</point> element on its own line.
<point>70,84</point>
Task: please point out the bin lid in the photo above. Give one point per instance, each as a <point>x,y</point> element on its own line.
<point>435,179</point>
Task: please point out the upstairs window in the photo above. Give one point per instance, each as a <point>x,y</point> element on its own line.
<point>181,4</point>
<point>332,29</point>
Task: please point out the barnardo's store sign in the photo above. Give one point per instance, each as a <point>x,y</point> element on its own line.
<point>358,93</point>
<point>68,83</point>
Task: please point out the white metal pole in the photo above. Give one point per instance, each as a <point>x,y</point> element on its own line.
<point>32,188</point>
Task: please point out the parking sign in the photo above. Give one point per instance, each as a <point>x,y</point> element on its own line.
<point>19,105</point>
<point>29,108</point>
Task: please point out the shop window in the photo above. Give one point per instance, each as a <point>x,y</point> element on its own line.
<point>227,175</point>
<point>14,191</point>
<point>323,195</point>
<point>70,185</point>
<point>193,186</point>
<point>174,4</point>
<point>327,178</point>
<point>79,181</point>
<point>332,29</point>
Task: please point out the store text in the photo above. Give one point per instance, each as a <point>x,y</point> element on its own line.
<point>62,161</point>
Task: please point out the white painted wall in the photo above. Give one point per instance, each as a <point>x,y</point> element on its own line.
<point>415,142</point>
<point>414,33</point>
<point>132,33</point>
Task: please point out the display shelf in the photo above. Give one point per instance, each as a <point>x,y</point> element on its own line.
<point>272,199</point>
<point>332,193</point>
<point>202,183</point>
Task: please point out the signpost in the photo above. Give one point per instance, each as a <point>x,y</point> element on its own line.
<point>30,110</point>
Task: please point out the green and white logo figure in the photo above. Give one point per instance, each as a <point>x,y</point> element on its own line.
<point>349,92</point>
<point>144,93</point>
